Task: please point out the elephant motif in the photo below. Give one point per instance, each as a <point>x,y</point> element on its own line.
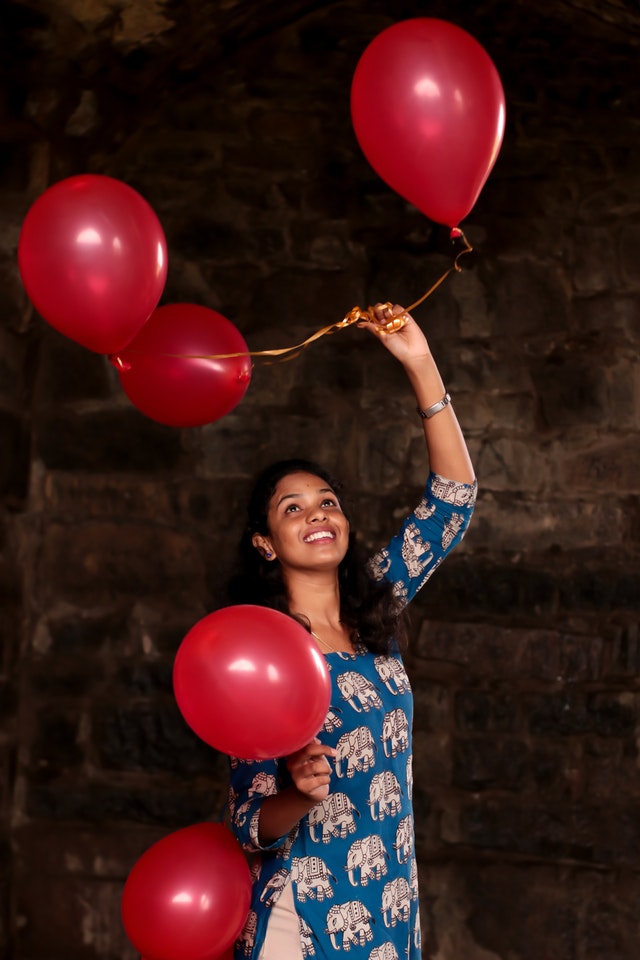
<point>396,902</point>
<point>334,815</point>
<point>285,849</point>
<point>379,565</point>
<point>359,692</point>
<point>274,887</point>
<point>416,552</point>
<point>401,592</point>
<point>392,674</point>
<point>403,844</point>
<point>306,939</point>
<point>385,952</point>
<point>395,732</point>
<point>248,936</point>
<point>357,748</point>
<point>353,921</point>
<point>413,879</point>
<point>424,510</point>
<point>370,857</point>
<point>263,785</point>
<point>332,721</point>
<point>384,795</point>
<point>312,878</point>
<point>241,813</point>
<point>457,494</point>
<point>451,528</point>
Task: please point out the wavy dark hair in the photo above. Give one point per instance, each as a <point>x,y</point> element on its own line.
<point>367,607</point>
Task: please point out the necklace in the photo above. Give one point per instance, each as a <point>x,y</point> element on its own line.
<point>330,646</point>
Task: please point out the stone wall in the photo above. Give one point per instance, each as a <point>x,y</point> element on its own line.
<point>117,533</point>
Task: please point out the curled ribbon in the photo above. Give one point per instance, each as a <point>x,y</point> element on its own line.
<point>355,315</point>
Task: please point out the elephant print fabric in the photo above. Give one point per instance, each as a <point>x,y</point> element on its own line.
<point>350,862</point>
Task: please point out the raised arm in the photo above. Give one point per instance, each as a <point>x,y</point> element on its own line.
<point>446,446</point>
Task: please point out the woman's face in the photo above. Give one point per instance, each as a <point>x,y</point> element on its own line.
<point>307,528</point>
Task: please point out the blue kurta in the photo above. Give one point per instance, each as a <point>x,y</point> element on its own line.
<point>351,859</point>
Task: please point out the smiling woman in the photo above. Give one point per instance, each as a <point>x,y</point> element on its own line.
<point>347,793</point>
<point>297,536</point>
<point>306,526</point>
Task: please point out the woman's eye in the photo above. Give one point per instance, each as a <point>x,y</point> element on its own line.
<point>329,503</point>
<point>291,508</point>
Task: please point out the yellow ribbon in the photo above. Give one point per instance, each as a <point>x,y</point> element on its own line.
<point>355,315</point>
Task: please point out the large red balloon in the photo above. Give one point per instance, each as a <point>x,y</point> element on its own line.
<point>93,260</point>
<point>188,896</point>
<point>251,682</point>
<point>428,111</point>
<point>173,372</point>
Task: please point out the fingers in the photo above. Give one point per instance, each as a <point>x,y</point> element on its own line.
<point>387,318</point>
<point>383,312</point>
<point>314,752</point>
<point>309,767</point>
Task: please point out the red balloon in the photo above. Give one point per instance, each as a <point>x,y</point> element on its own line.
<point>93,260</point>
<point>188,896</point>
<point>172,372</point>
<point>251,682</point>
<point>428,111</point>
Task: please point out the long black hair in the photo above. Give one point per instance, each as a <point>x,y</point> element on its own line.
<point>367,607</point>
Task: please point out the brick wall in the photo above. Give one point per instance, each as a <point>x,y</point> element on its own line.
<point>117,532</point>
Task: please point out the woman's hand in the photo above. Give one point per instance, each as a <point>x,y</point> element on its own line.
<point>406,344</point>
<point>311,771</point>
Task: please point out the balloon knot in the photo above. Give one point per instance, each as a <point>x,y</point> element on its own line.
<point>455,234</point>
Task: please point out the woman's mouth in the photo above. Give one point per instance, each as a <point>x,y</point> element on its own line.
<point>319,535</point>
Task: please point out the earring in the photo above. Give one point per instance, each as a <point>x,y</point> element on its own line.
<point>268,555</point>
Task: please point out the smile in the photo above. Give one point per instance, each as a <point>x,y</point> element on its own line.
<point>319,535</point>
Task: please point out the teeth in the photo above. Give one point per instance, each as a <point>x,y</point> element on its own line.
<point>320,535</point>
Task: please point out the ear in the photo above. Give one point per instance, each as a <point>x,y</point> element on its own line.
<point>263,546</point>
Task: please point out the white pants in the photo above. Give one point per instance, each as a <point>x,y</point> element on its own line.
<point>282,941</point>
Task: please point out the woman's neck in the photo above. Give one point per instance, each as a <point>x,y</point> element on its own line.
<point>316,598</point>
<point>316,601</point>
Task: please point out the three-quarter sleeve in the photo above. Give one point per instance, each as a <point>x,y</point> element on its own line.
<point>426,537</point>
<point>249,783</point>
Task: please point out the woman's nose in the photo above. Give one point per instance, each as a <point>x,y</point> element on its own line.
<point>317,513</point>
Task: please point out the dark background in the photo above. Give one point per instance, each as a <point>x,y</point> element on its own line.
<point>232,120</point>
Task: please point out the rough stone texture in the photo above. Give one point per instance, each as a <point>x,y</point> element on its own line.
<point>117,533</point>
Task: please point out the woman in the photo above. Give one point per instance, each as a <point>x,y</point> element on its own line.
<point>332,825</point>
